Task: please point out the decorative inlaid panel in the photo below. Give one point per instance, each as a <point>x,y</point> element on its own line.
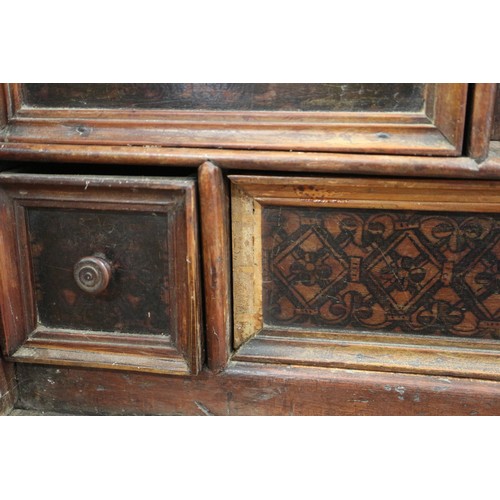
<point>137,298</point>
<point>391,271</point>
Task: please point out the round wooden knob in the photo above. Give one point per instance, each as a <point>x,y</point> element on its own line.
<point>92,274</point>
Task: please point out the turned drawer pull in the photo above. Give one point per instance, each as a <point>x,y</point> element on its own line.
<point>92,274</point>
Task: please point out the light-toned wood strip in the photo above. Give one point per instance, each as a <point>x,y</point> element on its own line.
<point>247,266</point>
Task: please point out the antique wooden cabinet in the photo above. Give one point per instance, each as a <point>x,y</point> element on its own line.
<point>250,249</point>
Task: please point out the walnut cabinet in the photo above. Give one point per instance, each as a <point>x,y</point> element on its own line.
<point>250,249</point>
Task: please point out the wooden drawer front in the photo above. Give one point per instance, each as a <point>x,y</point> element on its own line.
<point>382,274</point>
<point>101,271</point>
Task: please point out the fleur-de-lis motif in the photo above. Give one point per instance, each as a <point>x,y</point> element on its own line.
<point>442,313</point>
<point>309,268</point>
<point>455,237</point>
<point>403,273</point>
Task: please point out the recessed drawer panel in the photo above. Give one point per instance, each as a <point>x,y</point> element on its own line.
<point>136,297</point>
<point>101,271</point>
<point>368,273</point>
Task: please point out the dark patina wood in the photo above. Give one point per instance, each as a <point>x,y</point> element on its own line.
<point>138,297</point>
<point>424,273</point>
<point>149,315</point>
<point>254,389</point>
<point>304,364</point>
<point>229,96</point>
<point>436,128</point>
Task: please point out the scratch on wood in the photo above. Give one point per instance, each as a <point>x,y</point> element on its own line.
<point>204,409</point>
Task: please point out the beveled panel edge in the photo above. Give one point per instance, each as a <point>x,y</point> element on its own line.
<point>63,356</point>
<point>382,356</point>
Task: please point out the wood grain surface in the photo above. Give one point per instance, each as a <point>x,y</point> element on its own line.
<point>148,318</point>
<point>8,387</point>
<point>304,124</point>
<point>480,126</point>
<point>215,233</point>
<point>229,96</point>
<point>348,273</point>
<point>253,389</point>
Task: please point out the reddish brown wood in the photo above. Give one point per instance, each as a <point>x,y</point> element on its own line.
<point>214,211</point>
<point>254,389</point>
<point>449,112</point>
<point>148,319</point>
<point>381,165</point>
<point>481,120</point>
<point>265,377</point>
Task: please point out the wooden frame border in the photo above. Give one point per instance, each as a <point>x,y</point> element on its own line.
<point>25,341</point>
<point>437,130</point>
<point>255,342</point>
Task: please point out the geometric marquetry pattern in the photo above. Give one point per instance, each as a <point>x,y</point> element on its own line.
<point>421,273</point>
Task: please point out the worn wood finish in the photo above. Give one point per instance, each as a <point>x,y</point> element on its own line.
<point>424,273</point>
<point>495,129</point>
<point>135,301</point>
<point>254,389</point>
<point>375,132</point>
<point>3,107</point>
<point>335,261</point>
<point>8,387</point>
<point>278,368</point>
<point>490,167</point>
<point>229,96</point>
<point>214,209</point>
<point>267,161</point>
<point>52,222</point>
<point>247,266</point>
<point>481,120</point>
<point>448,115</point>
